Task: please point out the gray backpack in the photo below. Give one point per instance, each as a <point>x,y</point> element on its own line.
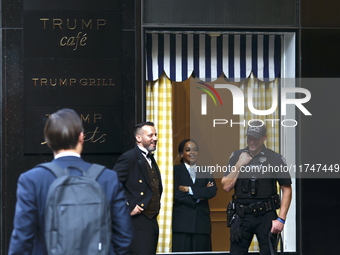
<point>77,213</point>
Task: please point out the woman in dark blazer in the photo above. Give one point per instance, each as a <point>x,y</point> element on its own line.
<point>191,225</point>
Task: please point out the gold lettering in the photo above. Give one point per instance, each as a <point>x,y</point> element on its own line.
<point>70,41</point>
<point>53,84</point>
<point>72,81</point>
<point>93,138</point>
<point>62,82</point>
<point>54,81</point>
<point>100,22</point>
<point>44,21</point>
<point>74,26</point>
<point>84,25</point>
<point>83,82</point>
<point>104,82</point>
<point>96,82</point>
<point>35,81</point>
<point>82,40</point>
<point>96,117</point>
<point>43,81</point>
<point>103,138</point>
<point>57,22</point>
<point>92,82</point>
<point>86,119</point>
<point>61,41</point>
<point>74,41</point>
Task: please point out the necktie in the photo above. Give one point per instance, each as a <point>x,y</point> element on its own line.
<point>150,157</point>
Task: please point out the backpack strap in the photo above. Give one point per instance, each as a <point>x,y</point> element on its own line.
<point>54,168</point>
<point>94,171</point>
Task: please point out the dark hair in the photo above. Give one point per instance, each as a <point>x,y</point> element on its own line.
<point>62,130</point>
<point>140,125</point>
<point>181,147</point>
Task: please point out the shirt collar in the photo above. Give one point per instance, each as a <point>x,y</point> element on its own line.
<point>143,149</point>
<point>67,153</point>
<point>261,153</point>
<point>189,166</point>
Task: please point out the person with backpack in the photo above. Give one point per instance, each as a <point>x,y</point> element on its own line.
<point>69,206</point>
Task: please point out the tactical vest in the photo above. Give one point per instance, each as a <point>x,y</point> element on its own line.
<point>259,188</point>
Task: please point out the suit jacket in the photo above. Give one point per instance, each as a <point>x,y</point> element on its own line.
<point>132,172</point>
<point>188,215</point>
<point>33,185</point>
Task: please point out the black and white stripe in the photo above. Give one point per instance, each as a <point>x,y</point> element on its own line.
<point>236,55</point>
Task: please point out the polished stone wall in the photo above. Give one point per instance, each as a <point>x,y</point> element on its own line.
<point>102,70</point>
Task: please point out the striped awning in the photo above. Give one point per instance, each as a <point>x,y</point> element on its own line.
<point>208,55</point>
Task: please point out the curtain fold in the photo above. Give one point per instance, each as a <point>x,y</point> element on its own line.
<point>159,111</point>
<point>180,55</point>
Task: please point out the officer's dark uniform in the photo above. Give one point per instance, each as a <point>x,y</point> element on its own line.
<point>256,202</point>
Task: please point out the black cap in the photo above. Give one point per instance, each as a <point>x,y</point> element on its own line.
<point>257,129</point>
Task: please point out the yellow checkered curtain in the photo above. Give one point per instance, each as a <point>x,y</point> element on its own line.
<point>262,100</point>
<point>159,111</point>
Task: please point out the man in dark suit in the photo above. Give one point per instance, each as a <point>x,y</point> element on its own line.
<point>139,173</point>
<point>64,135</point>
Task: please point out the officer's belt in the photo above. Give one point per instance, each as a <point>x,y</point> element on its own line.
<point>256,208</point>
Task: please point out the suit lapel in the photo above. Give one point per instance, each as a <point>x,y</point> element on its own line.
<point>201,180</point>
<point>185,174</point>
<point>142,165</point>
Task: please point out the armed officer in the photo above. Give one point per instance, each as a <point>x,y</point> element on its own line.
<point>253,208</point>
